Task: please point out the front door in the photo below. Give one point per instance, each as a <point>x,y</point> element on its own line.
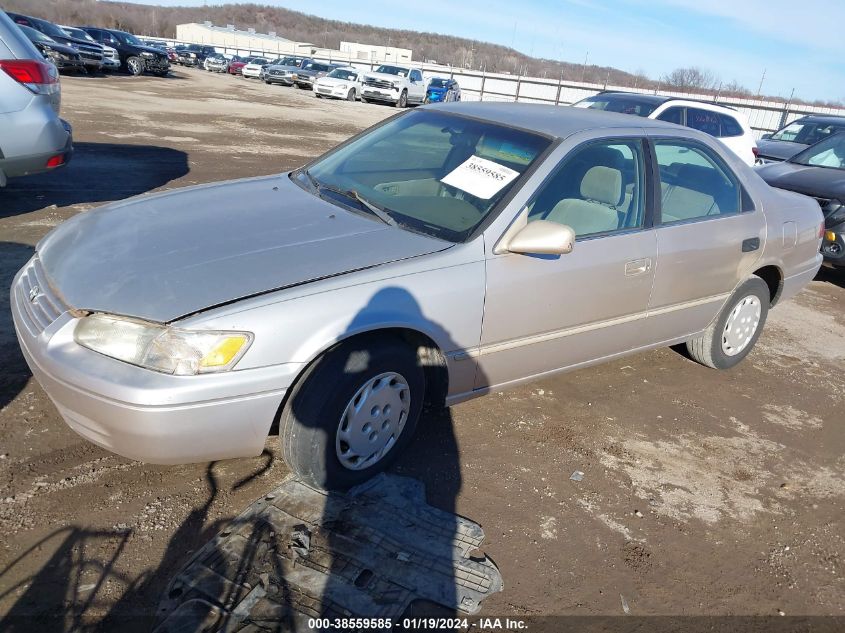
<point>543,313</point>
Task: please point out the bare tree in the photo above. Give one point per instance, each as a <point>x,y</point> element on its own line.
<point>691,78</point>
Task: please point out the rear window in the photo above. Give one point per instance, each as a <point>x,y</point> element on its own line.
<point>704,120</point>
<point>626,104</point>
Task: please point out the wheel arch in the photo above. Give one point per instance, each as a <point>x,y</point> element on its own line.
<point>429,354</point>
<point>773,276</point>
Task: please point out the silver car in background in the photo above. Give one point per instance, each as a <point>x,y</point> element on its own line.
<point>451,251</point>
<point>33,138</point>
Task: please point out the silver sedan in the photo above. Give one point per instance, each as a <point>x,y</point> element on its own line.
<point>448,252</point>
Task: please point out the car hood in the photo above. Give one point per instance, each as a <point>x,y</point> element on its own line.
<point>819,182</point>
<point>168,255</point>
<point>334,81</point>
<point>152,49</point>
<point>779,150</point>
<point>385,77</point>
<point>60,48</point>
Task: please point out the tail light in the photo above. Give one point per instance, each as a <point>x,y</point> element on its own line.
<point>755,151</point>
<point>56,161</point>
<point>37,76</point>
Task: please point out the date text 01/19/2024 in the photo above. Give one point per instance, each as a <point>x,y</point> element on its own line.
<point>411,624</point>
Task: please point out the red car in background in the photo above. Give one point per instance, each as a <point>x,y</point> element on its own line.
<point>236,64</point>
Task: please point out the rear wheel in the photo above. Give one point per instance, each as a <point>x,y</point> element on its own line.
<point>734,332</point>
<point>353,412</point>
<point>134,66</point>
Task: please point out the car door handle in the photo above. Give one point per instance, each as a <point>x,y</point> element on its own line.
<point>751,244</point>
<point>637,267</point>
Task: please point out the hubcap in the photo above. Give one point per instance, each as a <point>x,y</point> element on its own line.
<point>134,66</point>
<point>741,325</point>
<point>373,420</point>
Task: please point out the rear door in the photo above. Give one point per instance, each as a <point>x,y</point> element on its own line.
<point>709,237</point>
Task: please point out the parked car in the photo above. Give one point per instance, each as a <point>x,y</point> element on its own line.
<point>33,138</point>
<point>397,85</point>
<point>306,76</point>
<point>135,58</point>
<point>442,90</point>
<point>110,59</point>
<point>798,136</point>
<point>284,71</point>
<point>195,54</point>
<point>728,125</point>
<point>341,83</point>
<point>90,52</point>
<point>216,63</point>
<point>818,171</point>
<point>236,65</point>
<point>64,57</point>
<point>533,220</point>
<point>253,67</point>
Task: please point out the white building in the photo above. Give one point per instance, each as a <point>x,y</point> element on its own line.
<point>245,42</point>
<point>374,52</point>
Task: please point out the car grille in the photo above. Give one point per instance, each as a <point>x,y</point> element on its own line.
<point>378,83</point>
<point>90,53</point>
<point>302,77</point>
<point>40,304</point>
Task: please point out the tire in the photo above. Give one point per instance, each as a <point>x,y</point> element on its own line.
<point>318,96</point>
<point>403,100</point>
<point>267,81</point>
<point>715,347</point>
<point>351,95</point>
<point>134,66</point>
<point>311,425</point>
<point>364,100</point>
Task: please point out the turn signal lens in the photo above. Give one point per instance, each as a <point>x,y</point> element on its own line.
<point>830,236</point>
<point>224,352</point>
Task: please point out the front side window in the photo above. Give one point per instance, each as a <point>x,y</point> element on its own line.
<point>598,188</point>
<point>674,114</point>
<point>426,171</point>
<point>416,75</point>
<point>694,184</point>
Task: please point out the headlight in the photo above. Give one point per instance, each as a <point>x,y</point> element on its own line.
<point>146,54</point>
<point>166,349</point>
<point>341,87</point>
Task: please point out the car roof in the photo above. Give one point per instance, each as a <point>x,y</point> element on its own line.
<point>823,118</point>
<point>551,120</point>
<point>661,99</point>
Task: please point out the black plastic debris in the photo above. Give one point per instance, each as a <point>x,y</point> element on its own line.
<point>300,553</point>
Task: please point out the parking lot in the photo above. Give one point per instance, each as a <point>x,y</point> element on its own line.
<point>704,492</point>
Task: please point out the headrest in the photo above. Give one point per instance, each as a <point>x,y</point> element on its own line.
<point>602,184</point>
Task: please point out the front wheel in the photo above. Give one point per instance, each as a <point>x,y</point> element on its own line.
<point>734,332</point>
<point>134,66</point>
<point>353,412</point>
<point>351,95</point>
<point>403,100</point>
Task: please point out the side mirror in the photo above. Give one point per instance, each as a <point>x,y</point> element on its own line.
<point>766,137</point>
<point>542,237</point>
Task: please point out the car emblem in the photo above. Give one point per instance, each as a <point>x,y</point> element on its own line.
<point>33,293</point>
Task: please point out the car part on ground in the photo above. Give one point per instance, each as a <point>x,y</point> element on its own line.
<point>340,83</point>
<point>298,553</point>
<point>530,219</point>
<point>819,172</point>
<point>723,122</point>
<point>64,57</point>
<point>797,136</point>
<point>135,57</point>
<point>394,84</point>
<point>33,138</point>
<point>90,52</point>
<point>442,91</point>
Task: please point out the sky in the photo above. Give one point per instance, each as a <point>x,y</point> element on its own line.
<point>797,45</point>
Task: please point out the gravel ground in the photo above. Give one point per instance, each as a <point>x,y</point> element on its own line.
<point>704,493</point>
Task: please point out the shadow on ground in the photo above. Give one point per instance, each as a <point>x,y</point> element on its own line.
<point>98,172</point>
<point>14,373</point>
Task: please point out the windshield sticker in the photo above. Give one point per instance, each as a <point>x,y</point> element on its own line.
<point>480,177</point>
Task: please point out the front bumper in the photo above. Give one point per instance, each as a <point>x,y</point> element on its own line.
<point>111,63</point>
<point>833,250</point>
<point>251,73</point>
<point>135,412</point>
<point>285,80</point>
<point>332,91</point>
<point>156,64</point>
<point>380,94</point>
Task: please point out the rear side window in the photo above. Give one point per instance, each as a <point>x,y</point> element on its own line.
<point>730,126</point>
<point>694,183</point>
<point>704,120</point>
<point>672,115</point>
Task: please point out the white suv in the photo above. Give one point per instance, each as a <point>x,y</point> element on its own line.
<point>395,84</point>
<point>723,122</point>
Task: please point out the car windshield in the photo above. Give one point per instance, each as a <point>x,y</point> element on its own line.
<point>343,73</point>
<point>78,34</point>
<point>806,132</point>
<point>438,83</point>
<point>392,70</point>
<point>48,28</point>
<point>127,38</point>
<point>36,36</point>
<point>827,153</point>
<point>626,104</point>
<point>257,60</point>
<point>289,61</point>
<point>426,171</point>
